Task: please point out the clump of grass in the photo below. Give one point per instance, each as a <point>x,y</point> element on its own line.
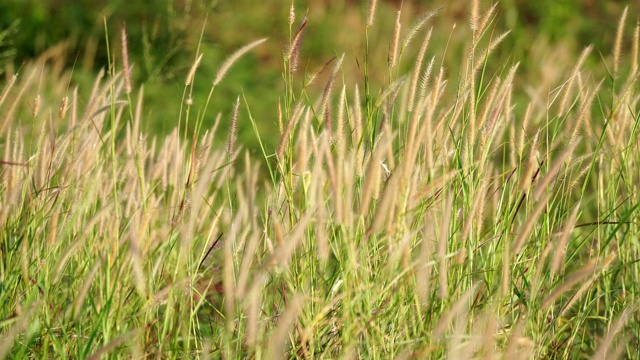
<point>424,220</point>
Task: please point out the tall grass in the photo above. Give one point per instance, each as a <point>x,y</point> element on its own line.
<point>430,216</point>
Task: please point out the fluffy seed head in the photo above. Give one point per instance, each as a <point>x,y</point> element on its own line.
<point>125,59</point>
<point>63,107</point>
<point>634,49</point>
<point>293,55</point>
<point>473,20</point>
<point>618,43</point>
<point>233,129</point>
<point>372,12</point>
<point>36,106</point>
<point>226,65</point>
<point>192,71</point>
<point>292,14</point>
<point>393,50</point>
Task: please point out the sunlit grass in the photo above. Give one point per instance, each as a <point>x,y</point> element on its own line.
<point>417,214</point>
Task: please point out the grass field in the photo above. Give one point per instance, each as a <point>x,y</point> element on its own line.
<point>404,209</point>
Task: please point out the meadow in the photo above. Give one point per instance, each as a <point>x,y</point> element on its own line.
<point>394,203</point>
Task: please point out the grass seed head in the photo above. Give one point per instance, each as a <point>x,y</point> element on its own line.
<point>371,14</point>
<point>226,65</point>
<point>125,59</point>
<point>293,54</point>
<point>617,47</point>
<point>192,71</point>
<point>393,49</point>
<point>233,129</point>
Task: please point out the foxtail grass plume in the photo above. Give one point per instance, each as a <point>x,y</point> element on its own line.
<point>372,176</point>
<point>570,281</point>
<point>73,117</point>
<point>514,344</point>
<point>226,65</point>
<point>192,71</point>
<point>114,343</point>
<point>286,134</point>
<point>480,60</point>
<point>125,59</point>
<point>559,253</point>
<point>618,42</point>
<point>373,4</point>
<point>36,106</point>
<point>634,49</point>
<point>526,177</point>
<point>326,97</point>
<point>479,195</point>
<point>233,129</point>
<point>425,79</point>
<point>64,106</point>
<point>417,71</point>
<point>550,176</point>
<point>583,112</point>
<point>607,349</point>
<point>13,330</point>
<point>460,306</point>
<point>569,83</point>
<point>281,334</point>
<point>413,31</point>
<point>393,49</point>
<point>523,131</point>
<point>293,54</point>
<point>252,308</point>
<point>478,31</point>
<point>442,249</point>
<point>340,123</point>
<point>9,114</point>
<point>313,75</point>
<point>358,132</point>
<point>292,14</point>
<point>577,295</point>
<point>526,229</point>
<point>82,293</point>
<point>442,217</point>
<point>474,16</point>
<point>279,111</point>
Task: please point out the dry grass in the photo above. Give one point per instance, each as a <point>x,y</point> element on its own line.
<point>436,217</point>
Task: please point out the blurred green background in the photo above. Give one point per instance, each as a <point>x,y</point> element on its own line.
<point>164,36</point>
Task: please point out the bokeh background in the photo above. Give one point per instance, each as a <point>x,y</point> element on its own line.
<point>164,35</point>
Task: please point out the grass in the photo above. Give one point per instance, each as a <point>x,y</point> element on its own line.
<point>417,214</point>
